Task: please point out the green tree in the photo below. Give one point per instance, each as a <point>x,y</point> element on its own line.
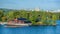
<point>10,15</point>
<point>1,14</point>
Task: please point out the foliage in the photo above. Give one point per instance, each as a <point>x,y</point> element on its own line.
<point>46,17</point>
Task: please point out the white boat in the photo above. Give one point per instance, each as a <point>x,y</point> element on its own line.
<point>16,25</point>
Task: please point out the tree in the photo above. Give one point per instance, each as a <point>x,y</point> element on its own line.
<point>1,14</point>
<point>16,14</point>
<point>10,15</point>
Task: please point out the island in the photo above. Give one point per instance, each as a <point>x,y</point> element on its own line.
<point>28,17</point>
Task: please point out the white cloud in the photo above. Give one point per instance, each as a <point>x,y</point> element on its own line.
<point>55,11</point>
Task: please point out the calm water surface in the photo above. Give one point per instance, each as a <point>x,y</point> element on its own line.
<point>31,30</point>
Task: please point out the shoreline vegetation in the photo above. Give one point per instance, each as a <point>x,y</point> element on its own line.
<point>34,17</point>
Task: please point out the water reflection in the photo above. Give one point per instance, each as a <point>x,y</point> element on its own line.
<point>29,30</point>
<point>58,27</point>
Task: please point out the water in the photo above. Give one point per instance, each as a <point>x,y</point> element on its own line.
<point>31,30</point>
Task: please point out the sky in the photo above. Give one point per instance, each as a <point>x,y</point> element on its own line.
<point>30,4</point>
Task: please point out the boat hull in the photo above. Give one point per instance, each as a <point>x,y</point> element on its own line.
<point>16,25</point>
